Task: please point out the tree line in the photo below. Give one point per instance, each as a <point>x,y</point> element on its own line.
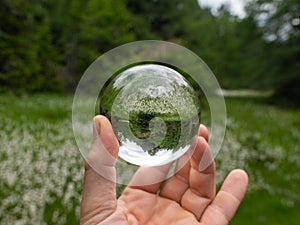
<point>45,46</point>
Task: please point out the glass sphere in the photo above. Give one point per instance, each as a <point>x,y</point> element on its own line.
<point>154,111</point>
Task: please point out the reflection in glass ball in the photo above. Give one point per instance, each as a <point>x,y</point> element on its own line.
<point>154,111</point>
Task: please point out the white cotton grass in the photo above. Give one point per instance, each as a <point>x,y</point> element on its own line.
<point>41,172</point>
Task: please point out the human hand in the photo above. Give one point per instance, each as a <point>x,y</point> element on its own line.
<point>188,197</point>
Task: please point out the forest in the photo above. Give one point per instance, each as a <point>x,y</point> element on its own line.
<point>45,46</point>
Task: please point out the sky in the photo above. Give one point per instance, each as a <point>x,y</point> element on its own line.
<point>236,6</point>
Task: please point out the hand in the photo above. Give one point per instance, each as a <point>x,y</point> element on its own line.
<point>188,197</point>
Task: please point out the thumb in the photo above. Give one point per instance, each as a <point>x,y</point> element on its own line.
<point>99,191</point>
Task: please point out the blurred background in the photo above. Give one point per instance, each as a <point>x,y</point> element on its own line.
<point>252,46</point>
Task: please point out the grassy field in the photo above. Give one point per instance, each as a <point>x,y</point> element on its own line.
<point>41,168</point>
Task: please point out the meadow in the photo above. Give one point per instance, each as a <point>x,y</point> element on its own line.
<point>42,169</point>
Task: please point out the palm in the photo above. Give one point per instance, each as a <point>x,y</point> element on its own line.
<point>142,207</point>
<point>188,197</point>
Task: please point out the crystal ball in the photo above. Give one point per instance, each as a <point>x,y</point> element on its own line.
<point>154,111</point>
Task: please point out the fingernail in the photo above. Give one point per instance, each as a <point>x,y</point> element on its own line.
<point>96,128</point>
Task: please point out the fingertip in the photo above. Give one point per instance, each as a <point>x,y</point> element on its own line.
<point>106,133</point>
<point>201,146</point>
<point>104,149</point>
<point>203,132</point>
<point>96,126</point>
<point>236,182</point>
<point>101,123</point>
<point>202,158</point>
<point>207,163</point>
<point>239,176</point>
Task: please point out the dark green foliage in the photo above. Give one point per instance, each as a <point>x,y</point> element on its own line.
<point>281,52</point>
<point>288,93</point>
<point>139,124</point>
<point>47,45</point>
<point>105,24</point>
<point>27,58</point>
<point>169,128</point>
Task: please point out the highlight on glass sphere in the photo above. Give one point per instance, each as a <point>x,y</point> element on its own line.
<point>154,111</point>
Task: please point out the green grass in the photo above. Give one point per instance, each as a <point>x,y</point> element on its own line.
<point>269,139</point>
<point>42,169</point>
